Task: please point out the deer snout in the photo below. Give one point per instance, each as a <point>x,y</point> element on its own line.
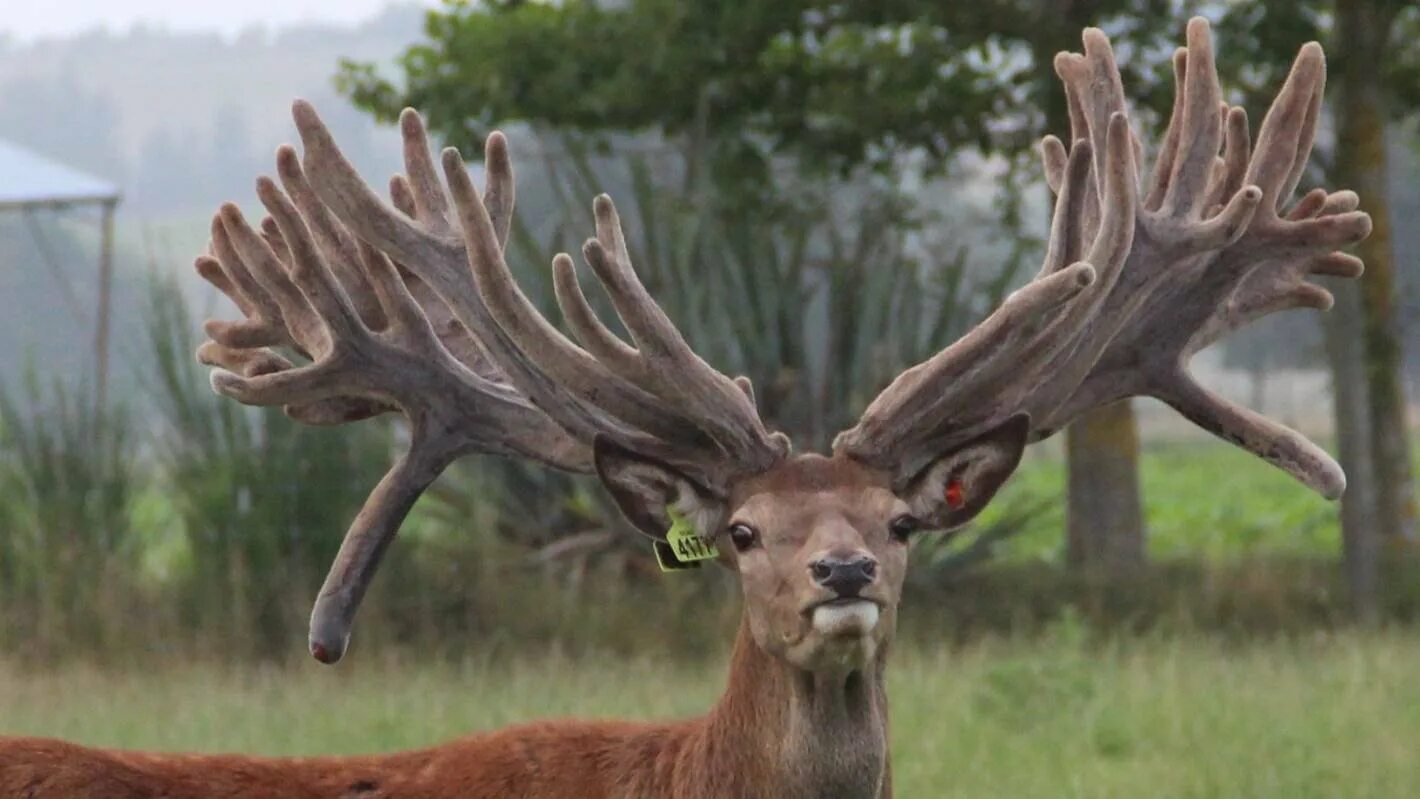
<point>845,576</point>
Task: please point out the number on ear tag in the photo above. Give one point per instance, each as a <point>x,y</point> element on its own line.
<point>683,547</point>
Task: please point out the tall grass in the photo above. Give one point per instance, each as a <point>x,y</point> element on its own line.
<point>67,483</point>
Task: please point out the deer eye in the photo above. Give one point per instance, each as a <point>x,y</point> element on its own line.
<point>903,526</point>
<point>743,536</point>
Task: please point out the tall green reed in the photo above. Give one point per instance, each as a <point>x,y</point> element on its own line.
<point>67,484</point>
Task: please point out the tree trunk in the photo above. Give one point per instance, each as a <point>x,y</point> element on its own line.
<point>1105,533</point>
<point>1360,541</point>
<point>1105,528</point>
<point>1362,29</point>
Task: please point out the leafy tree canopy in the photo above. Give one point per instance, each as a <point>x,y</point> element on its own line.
<point>833,84</point>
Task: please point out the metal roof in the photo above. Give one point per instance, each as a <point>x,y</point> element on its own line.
<point>27,179</point>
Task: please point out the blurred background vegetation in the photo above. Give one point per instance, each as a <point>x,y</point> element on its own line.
<point>819,194</point>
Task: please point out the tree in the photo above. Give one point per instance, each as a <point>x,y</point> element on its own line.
<point>1365,28</point>
<point>1376,65</point>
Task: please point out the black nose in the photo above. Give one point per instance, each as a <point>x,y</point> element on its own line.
<point>844,576</point>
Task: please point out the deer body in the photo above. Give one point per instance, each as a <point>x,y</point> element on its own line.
<point>776,731</point>
<point>411,306</point>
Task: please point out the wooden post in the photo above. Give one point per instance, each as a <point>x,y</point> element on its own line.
<point>102,319</point>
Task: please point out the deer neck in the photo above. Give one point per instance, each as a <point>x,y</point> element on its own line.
<point>798,733</point>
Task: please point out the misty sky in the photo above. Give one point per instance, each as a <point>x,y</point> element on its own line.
<point>27,20</point>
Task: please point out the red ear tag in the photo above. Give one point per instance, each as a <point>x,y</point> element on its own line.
<point>956,496</point>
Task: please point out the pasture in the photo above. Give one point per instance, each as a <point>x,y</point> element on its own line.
<point>1064,714</point>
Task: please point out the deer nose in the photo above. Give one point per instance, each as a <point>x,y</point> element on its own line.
<point>844,576</point>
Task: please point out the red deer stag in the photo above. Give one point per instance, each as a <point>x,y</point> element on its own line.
<point>412,308</point>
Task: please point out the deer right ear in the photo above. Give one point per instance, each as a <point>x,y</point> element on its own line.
<point>644,488</point>
<point>952,489</point>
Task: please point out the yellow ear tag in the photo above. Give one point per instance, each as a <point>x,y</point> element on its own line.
<point>683,547</point>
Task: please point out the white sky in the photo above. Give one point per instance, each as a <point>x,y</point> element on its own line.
<point>27,20</point>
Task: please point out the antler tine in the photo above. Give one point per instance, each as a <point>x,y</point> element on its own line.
<point>1103,96</point>
<point>1200,132</point>
<point>410,241</point>
<point>569,366</point>
<point>1211,255</point>
<point>365,543</point>
<point>426,192</point>
<point>1275,443</point>
<point>1308,133</point>
<point>264,325</point>
<point>591,333</point>
<point>1066,229</point>
<point>644,413</point>
<point>1168,148</point>
<point>329,232</point>
<point>499,189</point>
<point>1053,160</point>
<point>1280,149</point>
<point>674,371</point>
<point>1231,169</point>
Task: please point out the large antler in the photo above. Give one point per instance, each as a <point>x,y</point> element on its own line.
<point>1133,286</point>
<point>413,308</point>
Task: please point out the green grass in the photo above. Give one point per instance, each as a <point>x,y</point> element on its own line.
<point>1202,499</point>
<point>1055,716</point>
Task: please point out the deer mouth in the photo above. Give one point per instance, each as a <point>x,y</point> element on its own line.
<point>845,616</point>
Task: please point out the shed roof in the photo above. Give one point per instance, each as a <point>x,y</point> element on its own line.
<point>29,179</point>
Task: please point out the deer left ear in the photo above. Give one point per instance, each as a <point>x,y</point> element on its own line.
<point>644,488</point>
<point>952,489</point>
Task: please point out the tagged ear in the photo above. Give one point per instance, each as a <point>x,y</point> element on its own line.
<point>644,487</point>
<point>952,489</point>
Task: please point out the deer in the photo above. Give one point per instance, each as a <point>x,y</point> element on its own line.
<point>409,306</point>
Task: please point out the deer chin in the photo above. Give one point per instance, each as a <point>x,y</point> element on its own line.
<point>846,618</point>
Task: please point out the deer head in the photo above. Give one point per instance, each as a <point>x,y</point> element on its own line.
<point>410,306</point>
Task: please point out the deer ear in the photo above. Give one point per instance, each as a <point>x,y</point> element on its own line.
<point>952,489</point>
<point>644,488</point>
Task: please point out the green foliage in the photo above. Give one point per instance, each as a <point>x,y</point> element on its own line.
<point>67,485</point>
<point>833,85</point>
<point>1258,40</point>
<point>1203,499</point>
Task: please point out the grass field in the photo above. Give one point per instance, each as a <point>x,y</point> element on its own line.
<point>1324,716</point>
<point>1202,499</point>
